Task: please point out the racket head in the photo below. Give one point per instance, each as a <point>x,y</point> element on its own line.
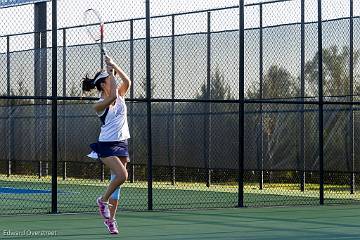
<point>94,25</point>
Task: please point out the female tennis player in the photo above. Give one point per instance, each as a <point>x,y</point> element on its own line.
<point>112,145</point>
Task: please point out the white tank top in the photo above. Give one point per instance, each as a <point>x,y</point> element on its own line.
<point>114,122</point>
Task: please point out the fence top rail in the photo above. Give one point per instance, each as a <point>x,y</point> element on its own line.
<point>253,28</point>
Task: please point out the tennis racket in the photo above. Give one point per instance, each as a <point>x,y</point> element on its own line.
<point>95,28</point>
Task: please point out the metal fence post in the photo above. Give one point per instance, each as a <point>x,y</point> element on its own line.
<point>241,104</point>
<point>132,163</point>
<point>102,167</point>
<point>302,106</point>
<point>54,108</point>
<point>260,157</point>
<point>351,125</point>
<point>321,106</point>
<point>173,120</point>
<point>148,101</point>
<point>207,122</point>
<point>10,121</point>
<point>64,102</point>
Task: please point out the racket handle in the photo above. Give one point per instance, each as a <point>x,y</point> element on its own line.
<point>104,52</point>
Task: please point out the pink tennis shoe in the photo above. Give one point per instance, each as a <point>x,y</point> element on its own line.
<point>111,226</point>
<point>103,208</point>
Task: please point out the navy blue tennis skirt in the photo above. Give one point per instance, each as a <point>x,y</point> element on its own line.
<point>108,149</point>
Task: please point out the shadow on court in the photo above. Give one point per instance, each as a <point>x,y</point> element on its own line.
<point>327,222</point>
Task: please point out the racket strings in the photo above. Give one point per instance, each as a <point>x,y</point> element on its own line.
<point>96,31</point>
<point>95,27</point>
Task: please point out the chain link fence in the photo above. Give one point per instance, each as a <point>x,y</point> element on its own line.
<point>300,121</point>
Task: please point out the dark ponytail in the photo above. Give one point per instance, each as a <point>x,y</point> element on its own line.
<point>88,83</point>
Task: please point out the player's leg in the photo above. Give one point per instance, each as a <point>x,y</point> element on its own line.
<point>117,167</point>
<point>120,176</point>
<point>114,199</point>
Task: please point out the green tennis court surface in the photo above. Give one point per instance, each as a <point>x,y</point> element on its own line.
<point>327,222</point>
<point>22,195</point>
